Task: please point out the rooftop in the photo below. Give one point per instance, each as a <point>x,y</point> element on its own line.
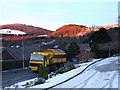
<point>84,46</point>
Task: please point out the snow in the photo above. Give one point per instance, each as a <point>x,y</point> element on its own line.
<point>92,78</point>
<point>24,84</point>
<point>9,31</point>
<point>102,74</point>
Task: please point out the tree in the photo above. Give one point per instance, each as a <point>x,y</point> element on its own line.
<point>72,50</point>
<point>100,36</point>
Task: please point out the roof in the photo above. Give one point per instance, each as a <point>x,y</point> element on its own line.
<point>2,49</point>
<point>27,50</point>
<point>84,46</point>
<point>6,54</point>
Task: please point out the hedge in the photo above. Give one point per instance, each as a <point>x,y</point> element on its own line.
<point>14,64</point>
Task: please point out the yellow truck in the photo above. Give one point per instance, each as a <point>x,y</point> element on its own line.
<point>51,58</point>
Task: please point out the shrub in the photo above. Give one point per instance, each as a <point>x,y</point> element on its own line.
<point>69,67</point>
<point>43,72</point>
<point>14,64</point>
<point>61,70</point>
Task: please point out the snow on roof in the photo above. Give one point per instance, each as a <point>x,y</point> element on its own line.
<point>9,31</point>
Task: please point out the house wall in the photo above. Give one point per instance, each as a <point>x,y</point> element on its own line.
<point>84,55</point>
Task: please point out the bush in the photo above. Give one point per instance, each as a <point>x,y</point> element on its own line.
<point>69,67</point>
<point>61,70</point>
<point>43,72</point>
<point>14,64</point>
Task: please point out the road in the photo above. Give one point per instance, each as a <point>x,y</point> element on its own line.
<point>12,77</point>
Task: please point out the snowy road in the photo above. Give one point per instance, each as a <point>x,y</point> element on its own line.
<point>103,74</point>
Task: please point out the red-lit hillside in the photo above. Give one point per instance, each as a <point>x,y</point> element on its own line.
<point>70,30</point>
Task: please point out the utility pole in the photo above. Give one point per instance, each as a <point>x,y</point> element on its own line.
<point>109,51</point>
<point>23,49</point>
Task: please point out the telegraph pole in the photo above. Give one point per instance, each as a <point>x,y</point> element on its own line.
<point>109,51</point>
<point>23,49</point>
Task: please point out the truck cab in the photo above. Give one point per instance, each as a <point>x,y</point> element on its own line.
<point>37,59</point>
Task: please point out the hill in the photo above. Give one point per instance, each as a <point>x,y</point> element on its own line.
<point>29,29</point>
<point>110,26</point>
<point>70,30</point>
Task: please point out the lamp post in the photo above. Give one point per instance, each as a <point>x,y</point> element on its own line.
<point>23,49</point>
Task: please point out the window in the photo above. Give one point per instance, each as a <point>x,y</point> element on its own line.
<point>36,57</point>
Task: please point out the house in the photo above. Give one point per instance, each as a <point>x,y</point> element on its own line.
<point>23,52</point>
<point>85,53</point>
<point>5,54</point>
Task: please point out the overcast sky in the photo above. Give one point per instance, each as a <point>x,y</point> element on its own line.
<point>52,14</point>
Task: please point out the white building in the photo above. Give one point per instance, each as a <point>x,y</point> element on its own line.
<point>9,31</point>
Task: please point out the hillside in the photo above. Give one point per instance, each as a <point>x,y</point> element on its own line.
<point>70,30</point>
<point>110,26</point>
<point>26,28</point>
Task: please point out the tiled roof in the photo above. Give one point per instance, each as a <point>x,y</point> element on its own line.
<point>18,52</point>
<point>84,47</point>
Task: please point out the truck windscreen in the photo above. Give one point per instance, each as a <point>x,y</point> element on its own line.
<point>36,57</point>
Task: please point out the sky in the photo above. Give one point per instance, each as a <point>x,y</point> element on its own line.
<point>52,14</point>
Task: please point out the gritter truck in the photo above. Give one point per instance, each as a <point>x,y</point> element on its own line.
<point>51,58</point>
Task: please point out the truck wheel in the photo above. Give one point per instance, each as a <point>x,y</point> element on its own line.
<point>62,65</point>
<point>38,68</point>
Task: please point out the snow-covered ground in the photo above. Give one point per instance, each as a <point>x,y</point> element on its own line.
<point>103,74</point>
